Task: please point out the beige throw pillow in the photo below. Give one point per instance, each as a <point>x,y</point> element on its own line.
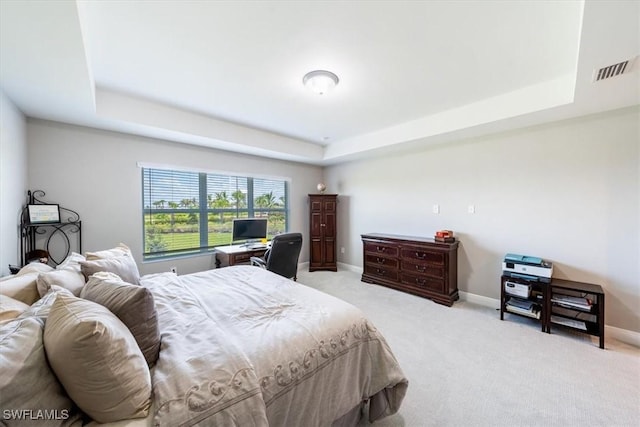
<point>97,360</point>
<point>11,308</point>
<point>34,267</point>
<point>132,304</point>
<point>119,250</point>
<point>123,265</point>
<point>42,307</point>
<point>72,262</point>
<point>21,287</point>
<point>26,381</point>
<point>65,278</point>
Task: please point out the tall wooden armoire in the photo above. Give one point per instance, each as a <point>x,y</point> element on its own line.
<point>322,235</point>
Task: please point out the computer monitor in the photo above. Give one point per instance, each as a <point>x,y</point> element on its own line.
<point>249,229</point>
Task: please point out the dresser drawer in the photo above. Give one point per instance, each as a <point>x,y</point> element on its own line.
<point>382,261</point>
<point>419,254</point>
<point>381,272</point>
<point>423,268</point>
<point>381,249</point>
<point>422,282</point>
<point>241,258</point>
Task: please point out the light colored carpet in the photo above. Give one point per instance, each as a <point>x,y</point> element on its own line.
<point>467,368</point>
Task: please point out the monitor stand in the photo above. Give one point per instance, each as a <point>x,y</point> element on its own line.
<point>251,243</point>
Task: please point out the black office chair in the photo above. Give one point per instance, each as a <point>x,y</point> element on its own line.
<point>282,256</point>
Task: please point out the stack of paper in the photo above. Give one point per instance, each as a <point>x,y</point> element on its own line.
<point>572,302</point>
<point>523,307</point>
<point>569,322</point>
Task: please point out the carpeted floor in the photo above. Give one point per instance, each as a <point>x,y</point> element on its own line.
<point>467,368</point>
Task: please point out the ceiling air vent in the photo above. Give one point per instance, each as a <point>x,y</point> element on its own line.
<point>612,70</point>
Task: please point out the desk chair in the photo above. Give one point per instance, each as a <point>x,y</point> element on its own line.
<point>282,257</point>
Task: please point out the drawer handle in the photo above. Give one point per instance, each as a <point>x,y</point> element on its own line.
<point>381,249</point>
<point>421,255</point>
<point>381,272</point>
<point>380,260</point>
<point>421,268</point>
<point>420,282</point>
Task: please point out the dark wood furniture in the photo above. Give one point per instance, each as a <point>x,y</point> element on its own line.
<point>554,312</point>
<point>237,254</point>
<point>590,320</point>
<point>417,265</point>
<point>538,296</point>
<point>322,233</point>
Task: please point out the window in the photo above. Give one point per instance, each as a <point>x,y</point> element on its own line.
<point>191,212</point>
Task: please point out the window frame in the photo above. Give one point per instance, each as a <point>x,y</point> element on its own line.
<point>204,211</point>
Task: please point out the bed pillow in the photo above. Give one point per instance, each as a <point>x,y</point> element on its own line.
<point>119,250</point>
<point>97,360</point>
<point>123,265</point>
<point>72,262</point>
<point>65,278</point>
<point>26,380</point>
<point>21,287</point>
<point>11,308</point>
<point>42,307</point>
<point>34,267</point>
<point>132,304</point>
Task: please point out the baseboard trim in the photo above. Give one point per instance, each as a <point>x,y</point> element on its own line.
<point>479,299</point>
<point>350,267</point>
<point>623,335</point>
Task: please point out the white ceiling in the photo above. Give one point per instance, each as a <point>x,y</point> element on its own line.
<point>228,74</point>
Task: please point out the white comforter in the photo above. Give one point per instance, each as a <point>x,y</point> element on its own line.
<point>244,347</point>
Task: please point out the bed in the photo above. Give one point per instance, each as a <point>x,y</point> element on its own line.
<point>241,346</point>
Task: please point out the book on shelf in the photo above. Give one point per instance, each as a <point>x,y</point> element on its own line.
<point>572,302</point>
<point>529,313</point>
<point>578,324</point>
<point>523,307</point>
<point>520,303</point>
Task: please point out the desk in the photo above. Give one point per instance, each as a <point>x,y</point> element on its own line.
<point>237,254</point>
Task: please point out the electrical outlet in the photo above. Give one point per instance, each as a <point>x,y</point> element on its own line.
<point>471,209</point>
<point>174,270</point>
<point>436,209</point>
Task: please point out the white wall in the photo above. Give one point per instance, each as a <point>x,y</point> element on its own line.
<point>13,180</point>
<point>95,173</point>
<point>567,192</point>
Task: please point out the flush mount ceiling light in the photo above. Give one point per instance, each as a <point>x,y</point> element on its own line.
<point>320,81</point>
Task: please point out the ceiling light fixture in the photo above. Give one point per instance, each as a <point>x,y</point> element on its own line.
<point>320,81</point>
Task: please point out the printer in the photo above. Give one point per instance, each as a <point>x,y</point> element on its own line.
<point>527,267</point>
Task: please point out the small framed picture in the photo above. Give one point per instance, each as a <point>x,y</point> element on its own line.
<point>44,214</point>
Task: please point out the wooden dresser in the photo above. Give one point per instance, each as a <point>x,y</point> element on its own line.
<point>418,265</point>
